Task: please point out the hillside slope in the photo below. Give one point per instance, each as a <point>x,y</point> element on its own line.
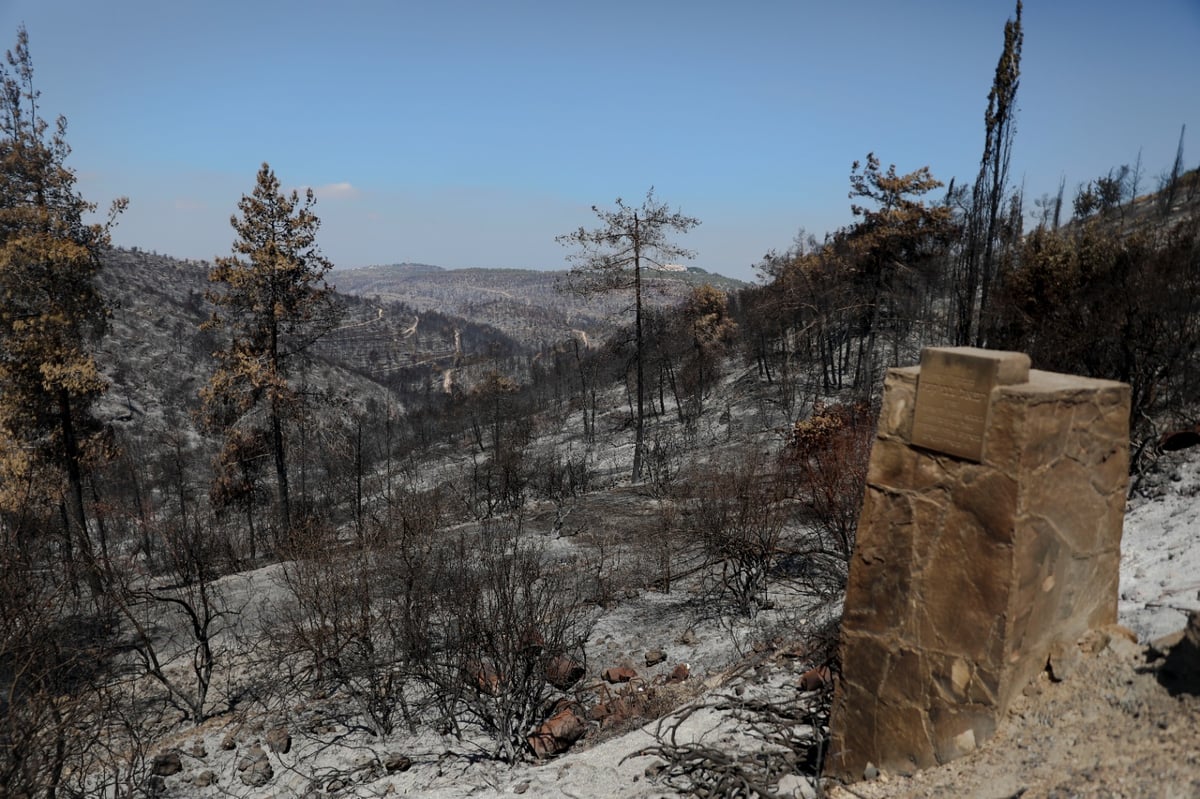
<point>526,304</point>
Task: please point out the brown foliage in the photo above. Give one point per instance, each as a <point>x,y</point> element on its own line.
<point>826,466</point>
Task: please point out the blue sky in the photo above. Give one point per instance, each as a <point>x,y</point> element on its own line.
<point>472,133</point>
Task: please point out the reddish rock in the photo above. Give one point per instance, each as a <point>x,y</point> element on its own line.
<point>562,672</point>
<point>556,734</point>
<point>815,679</point>
<point>618,709</point>
<point>484,677</point>
<point>678,674</point>
<point>618,674</point>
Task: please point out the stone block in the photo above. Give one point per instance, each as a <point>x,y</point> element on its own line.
<point>954,397</point>
<point>971,568</point>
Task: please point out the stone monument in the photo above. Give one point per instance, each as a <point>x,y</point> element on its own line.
<point>990,534</point>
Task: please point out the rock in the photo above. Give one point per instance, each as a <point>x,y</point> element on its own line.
<point>1162,646</point>
<point>563,671</point>
<point>556,734</point>
<point>198,751</point>
<point>484,677</point>
<point>1121,631</point>
<point>369,773</point>
<point>1094,642</point>
<point>279,740</point>
<point>1063,661</point>
<point>599,711</point>
<point>689,638</point>
<point>870,772</point>
<point>229,742</point>
<point>155,786</point>
<point>815,679</point>
<point>204,779</point>
<point>255,768</point>
<point>655,656</point>
<point>395,762</point>
<point>521,787</point>
<point>618,674</point>
<point>166,764</point>
<point>335,785</point>
<point>678,674</point>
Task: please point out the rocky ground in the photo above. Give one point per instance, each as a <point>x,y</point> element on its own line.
<point>1118,717</point>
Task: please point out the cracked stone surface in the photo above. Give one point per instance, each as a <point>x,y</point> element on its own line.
<point>967,575</point>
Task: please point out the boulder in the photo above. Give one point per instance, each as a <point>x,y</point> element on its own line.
<point>166,764</point>
<point>815,679</point>
<point>279,740</point>
<point>484,677</point>
<point>556,734</point>
<point>678,674</point>
<point>563,671</point>
<point>255,767</point>
<point>618,674</point>
<point>1063,661</point>
<point>394,763</point>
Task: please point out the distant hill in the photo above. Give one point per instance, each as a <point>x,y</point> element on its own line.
<point>526,304</point>
<point>157,359</point>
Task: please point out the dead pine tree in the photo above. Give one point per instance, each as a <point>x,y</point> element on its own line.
<point>977,267</point>
<point>612,258</point>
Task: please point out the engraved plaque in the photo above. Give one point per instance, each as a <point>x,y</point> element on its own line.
<point>954,396</point>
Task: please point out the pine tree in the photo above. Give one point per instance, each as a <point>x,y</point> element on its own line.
<point>612,257</point>
<point>51,317</point>
<point>893,248</point>
<point>275,305</point>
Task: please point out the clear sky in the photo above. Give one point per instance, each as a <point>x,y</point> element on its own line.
<point>472,132</point>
